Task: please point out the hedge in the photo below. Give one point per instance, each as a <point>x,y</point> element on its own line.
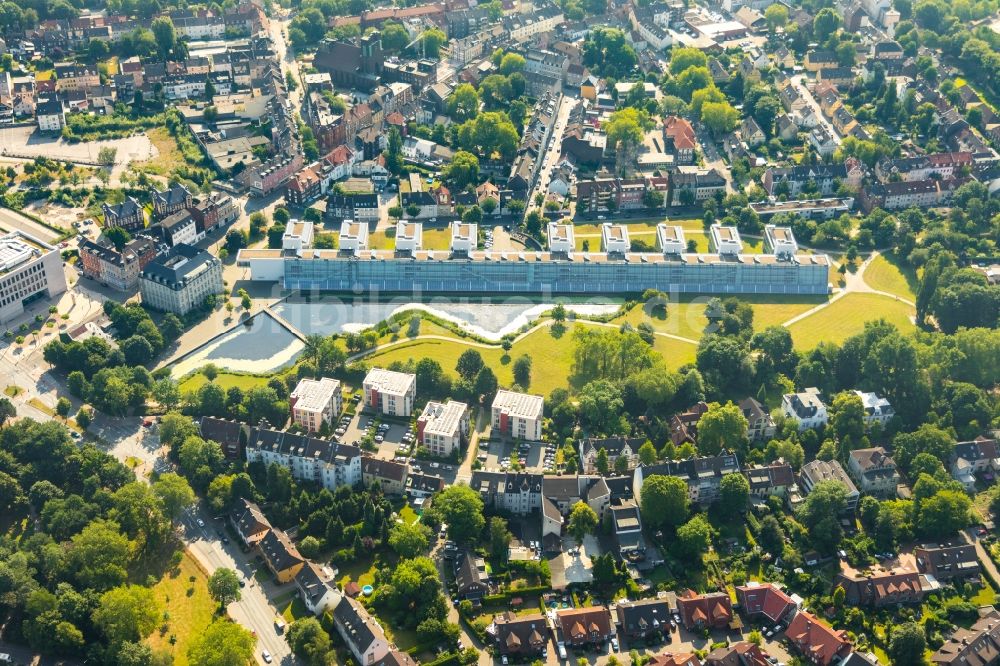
<point>520,592</point>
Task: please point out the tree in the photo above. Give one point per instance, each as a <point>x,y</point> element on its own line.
<point>582,521</point>
<point>486,384</point>
<point>461,508</point>
<point>7,411</point>
<point>927,438</point>
<point>463,170</point>
<point>847,417</point>
<point>394,153</point>
<point>719,117</point>
<point>647,453</point>
<point>722,428</point>
<point>734,494</point>
<point>409,540</point>
<point>106,156</point>
<point>309,641</point>
<point>118,237</point>
<point>174,493</point>
<point>663,501</point>
<point>431,41</point>
<point>127,613</point>
<point>771,536</point>
<point>224,586</point>
<point>522,371</point>
<point>165,35</point>
<point>607,53</point>
<point>694,538</point>
<point>222,643</point>
<point>825,24</point>
<point>776,16</point>
<point>470,362</point>
<point>943,513</point>
<point>621,465</point>
<point>63,405</point>
<point>601,462</point>
<point>99,555</point>
<point>167,393</point>
<point>500,538</point>
<point>820,514</point>
<point>511,62</point>
<point>907,644</point>
<point>685,57</point>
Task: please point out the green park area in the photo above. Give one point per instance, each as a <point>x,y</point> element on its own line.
<point>188,609</point>
<point>885,273</point>
<point>847,316</point>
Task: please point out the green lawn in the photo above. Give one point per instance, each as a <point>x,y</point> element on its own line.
<point>361,572</point>
<point>885,273</point>
<point>434,238</point>
<point>847,317</point>
<point>408,515</point>
<point>189,606</point>
<point>225,379</point>
<point>293,609</point>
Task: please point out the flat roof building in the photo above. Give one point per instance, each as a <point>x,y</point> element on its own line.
<point>670,239</point>
<point>409,236</point>
<point>390,392</point>
<point>726,240</point>
<point>561,238</point>
<point>781,240</point>
<point>353,236</point>
<point>817,471</point>
<point>29,270</point>
<point>442,427</point>
<point>518,415</point>
<point>298,235</point>
<point>614,238</point>
<point>464,237</point>
<point>315,402</point>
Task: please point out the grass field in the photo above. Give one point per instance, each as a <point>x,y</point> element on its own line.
<point>846,317</point>
<point>225,379</point>
<point>552,358</point>
<point>189,606</point>
<point>169,157</point>
<point>886,274</point>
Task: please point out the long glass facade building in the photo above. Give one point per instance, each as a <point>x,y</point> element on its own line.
<point>538,272</point>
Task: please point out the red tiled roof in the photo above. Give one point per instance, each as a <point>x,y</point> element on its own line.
<point>766,599</point>
<point>813,638</point>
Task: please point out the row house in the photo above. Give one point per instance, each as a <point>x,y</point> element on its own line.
<point>308,458</point>
<point>228,434</point>
<point>765,603</point>
<point>213,211</point>
<point>713,610</point>
<point>249,522</point>
<point>188,86</point>
<point>883,588</point>
<point>909,194</point>
<point>823,179</point>
<point>703,475</point>
<point>643,619</point>
<point>280,555</point>
<point>979,644</point>
<point>305,186</point>
<point>518,493</point>
<point>523,636</point>
<point>775,479</point>
<point>589,625</point>
<point>266,178</point>
<point>102,262</point>
<point>200,27</point>
<point>560,494</point>
<point>702,183</point>
<point>359,206</point>
<point>388,474</point>
<point>817,642</point>
<point>924,167</point>
<point>949,562</point>
<point>75,76</point>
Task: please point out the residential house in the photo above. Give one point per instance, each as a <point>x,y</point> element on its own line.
<point>923,167</point>
<point>280,555</point>
<point>471,578</point>
<point>679,139</point>
<point>949,562</point>
<point>640,620</point>
<point>317,589</point>
<point>362,632</point>
<point>875,471</point>
<point>684,426</point>
<point>101,261</point>
<point>822,141</point>
<point>817,471</point>
<point>909,194</point>
<point>227,434</point>
<point>518,415</point>
<point>816,61</point>
<point>128,214</point>
<point>775,479</point>
<point>442,427</point>
<point>751,132</point>
<point>979,644</point>
<point>423,485</point>
<point>743,653</point>
<point>520,635</point>
<point>713,610</point>
<point>703,475</point>
<point>764,603</point>
<point>558,497</point>
<point>806,407</point>
<point>519,493</point>
<point>614,447</point>
<point>390,475</point>
<point>590,625</point>
<point>817,642</point>
<point>627,526</point>
<point>823,179</point>
<point>388,392</point>
<point>980,456</point>
<point>358,206</point>
<point>882,588</point>
<point>249,522</point>
<point>308,458</point>
<point>172,200</point>
<point>704,183</point>
<point>675,659</point>
<point>315,403</point>
<point>760,425</point>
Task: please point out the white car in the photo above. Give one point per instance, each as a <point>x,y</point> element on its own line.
<point>266,656</point>
<point>201,523</point>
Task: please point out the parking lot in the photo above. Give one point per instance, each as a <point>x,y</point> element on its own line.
<point>534,456</point>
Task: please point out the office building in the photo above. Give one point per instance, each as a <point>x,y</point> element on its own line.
<point>181,280</point>
<point>29,271</point>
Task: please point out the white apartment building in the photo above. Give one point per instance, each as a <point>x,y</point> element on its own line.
<point>725,239</point>
<point>561,238</point>
<point>877,409</point>
<point>353,236</point>
<point>614,238</point>
<point>442,427</point>
<point>29,270</point>
<point>518,415</point>
<point>806,407</point>
<point>181,280</point>
<point>315,402</point>
<point>390,393</point>
<point>670,239</point>
<point>298,236</point>
<point>409,236</point>
<point>308,459</point>
<point>464,237</point>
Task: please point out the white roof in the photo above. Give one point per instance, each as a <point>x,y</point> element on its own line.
<point>388,381</point>
<point>524,405</point>
<point>443,419</point>
<point>314,395</point>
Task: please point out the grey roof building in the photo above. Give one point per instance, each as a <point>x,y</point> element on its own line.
<point>181,280</point>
